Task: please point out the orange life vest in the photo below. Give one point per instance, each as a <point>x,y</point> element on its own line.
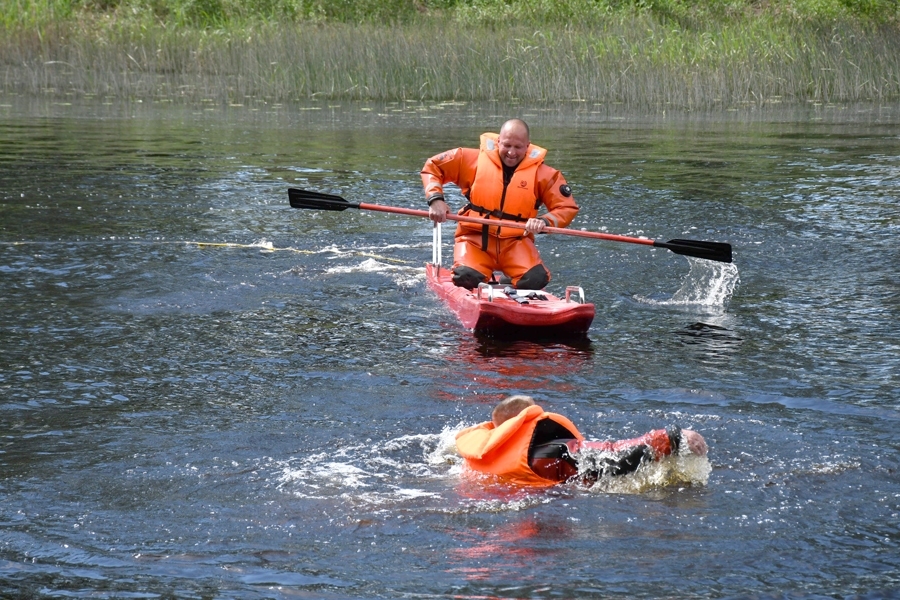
<point>503,450</point>
<point>489,198</point>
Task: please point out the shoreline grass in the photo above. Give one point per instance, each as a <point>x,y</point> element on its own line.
<point>638,58</point>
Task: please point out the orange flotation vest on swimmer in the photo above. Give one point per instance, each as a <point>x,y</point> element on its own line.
<point>538,448</point>
<point>504,451</point>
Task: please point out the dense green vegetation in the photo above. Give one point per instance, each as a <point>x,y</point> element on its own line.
<point>221,13</point>
<point>685,53</point>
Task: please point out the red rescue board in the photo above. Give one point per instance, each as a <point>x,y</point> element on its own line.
<point>501,311</point>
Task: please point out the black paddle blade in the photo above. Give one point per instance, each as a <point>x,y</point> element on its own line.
<point>317,200</point>
<point>718,251</point>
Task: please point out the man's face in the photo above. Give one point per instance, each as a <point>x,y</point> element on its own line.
<point>512,144</point>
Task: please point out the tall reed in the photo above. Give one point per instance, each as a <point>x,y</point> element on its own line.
<point>635,59</point>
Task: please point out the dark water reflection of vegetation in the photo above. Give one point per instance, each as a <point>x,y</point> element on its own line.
<point>207,393</point>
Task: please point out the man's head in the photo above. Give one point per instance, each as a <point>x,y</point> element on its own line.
<point>514,140</point>
<point>509,408</point>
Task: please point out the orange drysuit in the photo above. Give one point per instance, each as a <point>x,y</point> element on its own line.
<point>517,197</point>
<point>515,451</point>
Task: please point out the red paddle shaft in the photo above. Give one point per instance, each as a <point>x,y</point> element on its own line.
<point>500,223</point>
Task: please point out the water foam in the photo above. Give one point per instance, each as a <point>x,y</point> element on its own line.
<point>708,284</point>
<point>403,276</point>
<point>404,469</point>
<point>689,470</point>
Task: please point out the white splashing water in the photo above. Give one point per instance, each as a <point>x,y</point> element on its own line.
<point>403,276</point>
<point>369,474</point>
<point>687,470</point>
<point>708,284</point>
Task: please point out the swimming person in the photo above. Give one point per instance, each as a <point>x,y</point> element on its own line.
<point>525,445</point>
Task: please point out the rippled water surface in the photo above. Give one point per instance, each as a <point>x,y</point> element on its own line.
<point>207,394</point>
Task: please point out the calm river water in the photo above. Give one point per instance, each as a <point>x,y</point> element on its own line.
<point>207,394</point>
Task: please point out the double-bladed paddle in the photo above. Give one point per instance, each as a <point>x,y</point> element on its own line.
<point>717,251</point>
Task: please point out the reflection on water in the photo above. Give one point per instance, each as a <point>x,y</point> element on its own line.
<point>206,393</point>
<point>565,350</point>
<point>486,370</point>
<point>514,541</point>
<point>712,342</point>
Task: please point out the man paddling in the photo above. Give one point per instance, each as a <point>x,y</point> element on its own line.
<point>524,445</point>
<point>505,178</point>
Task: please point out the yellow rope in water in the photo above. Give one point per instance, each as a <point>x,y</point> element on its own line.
<point>271,248</point>
<point>263,247</point>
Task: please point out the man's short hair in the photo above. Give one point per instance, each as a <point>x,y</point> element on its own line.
<point>510,407</point>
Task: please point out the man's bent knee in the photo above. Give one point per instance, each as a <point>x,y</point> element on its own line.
<point>467,277</point>
<point>535,278</point>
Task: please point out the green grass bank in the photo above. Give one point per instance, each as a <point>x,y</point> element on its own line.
<point>686,54</point>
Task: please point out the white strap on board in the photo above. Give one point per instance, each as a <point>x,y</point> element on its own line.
<point>436,244</point>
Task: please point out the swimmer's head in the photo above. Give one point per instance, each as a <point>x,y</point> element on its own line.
<point>509,408</point>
